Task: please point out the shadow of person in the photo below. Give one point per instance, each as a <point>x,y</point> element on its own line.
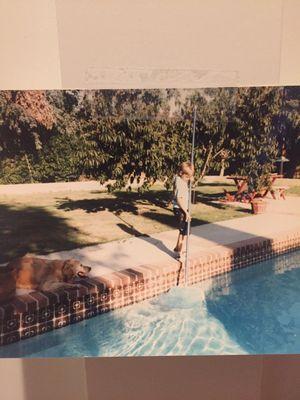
<point>155,242</point>
<point>130,229</point>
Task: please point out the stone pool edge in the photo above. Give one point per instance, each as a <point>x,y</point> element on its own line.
<point>29,315</point>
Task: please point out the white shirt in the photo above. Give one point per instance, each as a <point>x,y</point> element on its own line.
<point>181,190</point>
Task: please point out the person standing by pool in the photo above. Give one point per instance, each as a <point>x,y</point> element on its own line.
<point>181,203</point>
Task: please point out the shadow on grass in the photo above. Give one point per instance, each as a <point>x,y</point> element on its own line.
<point>130,229</point>
<point>214,184</point>
<point>133,202</point>
<point>170,220</point>
<point>118,202</point>
<point>33,230</point>
<point>36,230</point>
<point>211,200</point>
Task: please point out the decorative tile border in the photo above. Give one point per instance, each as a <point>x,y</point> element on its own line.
<point>40,312</point>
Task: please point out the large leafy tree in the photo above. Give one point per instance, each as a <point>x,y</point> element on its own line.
<point>127,136</point>
<point>135,133</point>
<point>214,113</point>
<point>289,137</point>
<point>254,131</point>
<point>56,160</point>
<point>26,118</point>
<point>39,135</point>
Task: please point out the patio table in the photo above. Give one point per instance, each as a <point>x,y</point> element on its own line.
<point>241,184</point>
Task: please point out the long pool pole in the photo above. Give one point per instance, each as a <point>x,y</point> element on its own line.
<point>189,205</point>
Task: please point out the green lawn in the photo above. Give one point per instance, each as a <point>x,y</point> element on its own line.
<point>292,185</point>
<point>59,221</point>
<point>42,223</point>
<point>294,191</point>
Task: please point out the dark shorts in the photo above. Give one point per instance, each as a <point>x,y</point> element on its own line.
<point>182,223</point>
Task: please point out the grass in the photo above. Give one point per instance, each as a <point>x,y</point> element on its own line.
<point>292,185</point>
<point>294,191</point>
<point>42,223</point>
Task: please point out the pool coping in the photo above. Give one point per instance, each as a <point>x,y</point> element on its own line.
<point>40,312</point>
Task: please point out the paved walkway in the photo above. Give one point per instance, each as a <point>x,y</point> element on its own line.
<point>281,216</point>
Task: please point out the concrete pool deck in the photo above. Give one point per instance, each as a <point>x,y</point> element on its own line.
<point>128,271</point>
<point>281,217</point>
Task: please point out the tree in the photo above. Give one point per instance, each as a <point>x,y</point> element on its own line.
<point>289,138</point>
<point>127,136</point>
<point>253,133</point>
<point>214,111</point>
<point>26,118</point>
<point>143,135</point>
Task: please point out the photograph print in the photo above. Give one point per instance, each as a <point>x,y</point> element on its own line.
<point>150,222</point>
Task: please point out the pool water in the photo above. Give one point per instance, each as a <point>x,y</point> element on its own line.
<point>255,310</point>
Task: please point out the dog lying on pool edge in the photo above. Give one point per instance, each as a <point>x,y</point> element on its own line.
<point>40,274</point>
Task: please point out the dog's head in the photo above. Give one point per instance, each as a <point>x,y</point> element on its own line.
<point>74,269</point>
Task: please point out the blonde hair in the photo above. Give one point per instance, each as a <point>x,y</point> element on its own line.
<point>186,168</point>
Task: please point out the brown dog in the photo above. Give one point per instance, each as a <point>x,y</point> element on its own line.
<point>41,274</point>
<point>7,284</point>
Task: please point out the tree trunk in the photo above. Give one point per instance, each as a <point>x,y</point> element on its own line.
<point>222,171</point>
<point>205,165</point>
<point>29,168</point>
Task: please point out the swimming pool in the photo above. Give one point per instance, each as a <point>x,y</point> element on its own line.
<point>254,310</point>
